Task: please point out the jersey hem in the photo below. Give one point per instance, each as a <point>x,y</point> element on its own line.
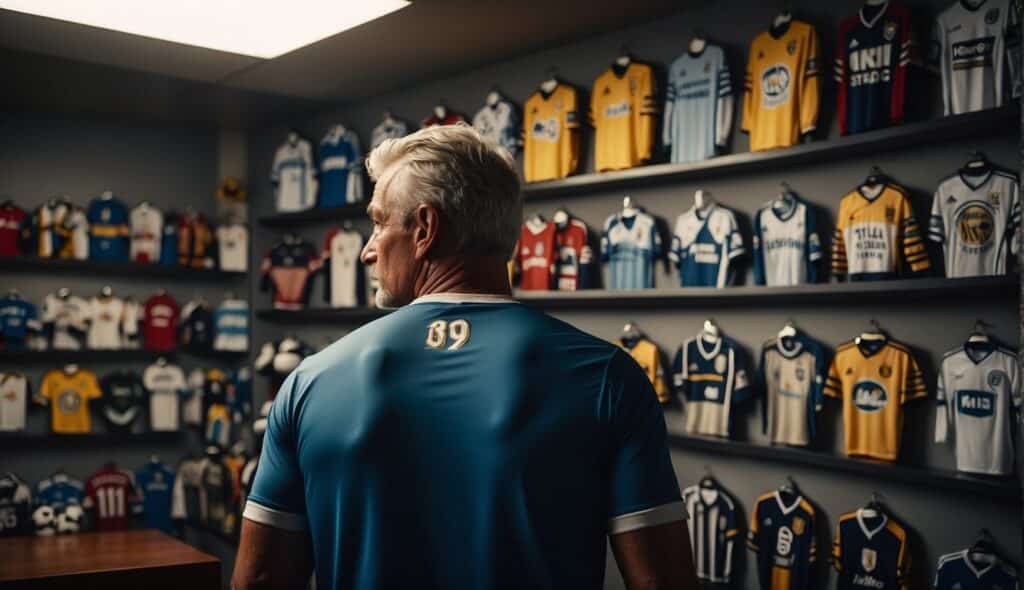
<point>663,514</point>
<point>279,519</point>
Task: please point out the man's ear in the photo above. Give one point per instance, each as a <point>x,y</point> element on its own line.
<point>426,229</point>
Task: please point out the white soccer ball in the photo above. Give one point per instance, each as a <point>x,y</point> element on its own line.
<point>70,521</point>
<point>43,519</point>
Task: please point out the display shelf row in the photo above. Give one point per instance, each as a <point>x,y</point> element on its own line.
<point>1005,488</point>
<point>24,440</point>
<point>903,290</point>
<point>126,269</point>
<point>991,123</point>
<point>110,356</point>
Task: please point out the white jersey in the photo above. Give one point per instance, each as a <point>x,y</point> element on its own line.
<point>231,326</point>
<point>233,247</point>
<point>974,48</point>
<point>131,318</point>
<point>388,129</point>
<point>979,389</point>
<point>192,412</point>
<point>106,317</point>
<point>345,284</point>
<point>79,225</point>
<point>698,105</point>
<point>165,384</point>
<point>13,397</point>
<point>293,173</point>
<point>713,531</point>
<point>975,218</point>
<point>792,374</point>
<point>787,247</point>
<point>147,228</point>
<point>65,318</point>
<point>704,244</point>
<point>500,124</point>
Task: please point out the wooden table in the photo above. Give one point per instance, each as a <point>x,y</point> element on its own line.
<point>149,560</point>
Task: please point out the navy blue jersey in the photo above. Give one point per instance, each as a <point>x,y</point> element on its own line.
<point>465,442</point>
<point>18,320</point>
<point>340,168</point>
<point>875,48</point>
<point>169,240</point>
<point>870,551</point>
<point>712,376</point>
<point>15,506</point>
<point>713,530</point>
<point>155,482</point>
<point>957,571</point>
<point>109,231</point>
<point>782,534</point>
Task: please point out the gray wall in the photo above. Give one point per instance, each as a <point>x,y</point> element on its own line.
<point>941,521</point>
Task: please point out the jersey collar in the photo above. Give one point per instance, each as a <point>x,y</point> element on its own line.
<point>798,346</point>
<point>864,527</point>
<point>782,506</point>
<point>882,9</point>
<point>713,352</point>
<point>463,298</point>
<point>978,573</point>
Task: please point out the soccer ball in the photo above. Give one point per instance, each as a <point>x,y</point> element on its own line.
<point>70,521</point>
<point>43,518</point>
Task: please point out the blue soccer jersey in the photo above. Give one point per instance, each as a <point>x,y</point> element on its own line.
<point>155,481</point>
<point>109,231</point>
<point>630,244</point>
<point>340,168</point>
<point>786,243</point>
<point>958,571</point>
<point>698,105</point>
<point>704,245</point>
<point>465,442</point>
<point>19,319</point>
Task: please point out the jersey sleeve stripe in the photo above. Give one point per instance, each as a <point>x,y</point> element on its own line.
<point>642,519</point>
<point>279,519</point>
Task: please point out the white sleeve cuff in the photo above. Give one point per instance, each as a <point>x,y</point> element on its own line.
<point>276,518</point>
<point>643,519</point>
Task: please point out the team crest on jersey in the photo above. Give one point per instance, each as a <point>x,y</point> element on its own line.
<point>885,371</point>
<point>720,363</point>
<point>997,378</point>
<point>889,31</point>
<point>869,396</point>
<point>69,401</point>
<point>868,559</point>
<point>538,250</point>
<point>760,55</point>
<point>993,197</point>
<point>799,525</point>
<point>791,47</point>
<point>535,111</point>
<point>992,16</point>
<point>694,368</point>
<point>849,371</point>
<point>975,224</point>
<point>801,374</point>
<point>890,214</point>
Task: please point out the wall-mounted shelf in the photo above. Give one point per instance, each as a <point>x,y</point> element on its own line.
<point>313,216</point>
<point>984,487</point>
<point>126,269</point>
<point>995,122</point>
<point>24,440</point>
<point>57,357</point>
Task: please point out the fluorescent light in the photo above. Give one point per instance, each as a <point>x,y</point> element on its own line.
<point>260,28</point>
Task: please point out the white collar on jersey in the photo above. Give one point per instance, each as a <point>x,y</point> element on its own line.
<point>864,527</point>
<point>463,298</point>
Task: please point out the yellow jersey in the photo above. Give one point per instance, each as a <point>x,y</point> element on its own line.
<point>877,236</point>
<point>782,87</point>
<point>874,378</point>
<point>647,355</point>
<point>551,143</point>
<point>68,396</point>
<point>622,111</point>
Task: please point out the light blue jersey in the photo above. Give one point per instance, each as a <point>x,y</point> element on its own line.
<point>630,244</point>
<point>698,105</point>
<point>465,442</point>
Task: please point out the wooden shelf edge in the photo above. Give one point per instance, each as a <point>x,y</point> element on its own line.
<point>313,216</point>
<point>110,356</point>
<point>128,269</point>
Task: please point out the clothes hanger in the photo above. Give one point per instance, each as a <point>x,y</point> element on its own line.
<point>440,110</point>
<point>70,368</point>
<point>631,332</point>
<point>551,80</point>
<point>161,361</point>
<point>979,333</point>
<point>789,330</point>
<point>983,549</point>
<point>293,136</point>
<point>561,217</point>
<point>698,42</point>
<point>976,163</point>
<point>874,332</point>
<point>703,199</point>
<point>629,207</point>
<point>160,292</point>
<point>707,481</point>
<point>783,18</point>
<point>154,459</point>
<point>106,292</point>
<point>874,507</point>
<point>624,58</point>
<point>63,293</point>
<point>789,487</point>
<point>875,177</point>
<point>493,96</point>
<point>710,331</point>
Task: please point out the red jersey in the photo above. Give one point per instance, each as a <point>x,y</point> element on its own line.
<point>160,323</point>
<point>574,255</point>
<point>112,494</point>
<point>536,255</point>
<point>11,220</point>
<point>449,119</point>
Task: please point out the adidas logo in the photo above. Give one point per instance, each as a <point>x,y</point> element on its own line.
<point>854,44</point>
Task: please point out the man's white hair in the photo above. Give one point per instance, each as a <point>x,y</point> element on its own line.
<point>471,181</point>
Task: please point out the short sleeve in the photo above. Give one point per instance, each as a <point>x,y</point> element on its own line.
<point>278,497</point>
<point>94,391</point>
<point>644,491</point>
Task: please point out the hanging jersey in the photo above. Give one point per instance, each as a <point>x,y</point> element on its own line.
<point>169,242</point>
<point>109,230</point>
<point>976,47</point>
<point>450,118</point>
<point>111,493</point>
<point>106,318</point>
<point>975,218</point>
<point>293,173</point>
<point>218,425</point>
<point>239,393</point>
<point>155,483</point>
<point>713,531</point>
<point>233,248</point>
<point>195,242</point>
<point>289,268</point>
<point>341,168</point>
<point>15,506</point>
<point>575,259</point>
<point>792,374</point>
<point>123,399</point>
<point>783,536</point>
<point>956,571</point>
<point>622,112</point>
<point>782,87</point>
<point>712,377</point>
<point>160,323</point>
<point>787,247</point>
<point>704,244</point>
<point>874,379</point>
<point>388,129</point>
<point>873,52</point>
<point>979,391</point>
<point>166,385</point>
<point>216,494</point>
<point>550,134</point>
<point>19,321</point>
<point>192,408</point>
<point>187,499</point>
<point>500,124</point>
<point>630,244</point>
<point>62,498</point>
<point>13,221</point>
<point>647,355</point>
<point>50,227</point>
<point>278,359</point>
<point>231,325</point>
<point>14,392</point>
<point>75,228</point>
<point>537,255</point>
<point>231,200</point>
<point>197,329</point>
<point>346,277</point>
<point>68,396</point>
<point>877,236</point>
<point>65,320</point>
<point>870,551</point>
<point>147,223</point>
<point>698,105</point>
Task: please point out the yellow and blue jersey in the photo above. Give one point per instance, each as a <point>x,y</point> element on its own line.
<point>782,534</point>
<point>870,551</point>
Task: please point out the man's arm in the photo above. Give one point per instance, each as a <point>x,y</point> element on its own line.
<point>270,557</point>
<point>655,558</point>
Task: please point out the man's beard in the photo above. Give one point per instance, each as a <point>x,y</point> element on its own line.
<point>385,300</point>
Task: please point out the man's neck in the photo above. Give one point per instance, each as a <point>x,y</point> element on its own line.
<point>478,275</point>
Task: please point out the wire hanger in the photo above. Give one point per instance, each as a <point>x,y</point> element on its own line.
<point>710,331</point>
<point>874,332</point>
<point>874,506</point>
<point>631,331</point>
<point>979,333</point>
<point>789,486</point>
<point>789,330</point>
<point>629,206</point>
<point>707,481</point>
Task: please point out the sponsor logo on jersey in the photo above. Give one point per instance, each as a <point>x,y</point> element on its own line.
<point>784,542</point>
<point>619,109</point>
<point>971,402</point>
<point>973,53</point>
<point>869,396</point>
<point>975,224</point>
<point>546,129</point>
<point>776,83</point>
<point>950,199</point>
<point>868,582</point>
<point>801,374</point>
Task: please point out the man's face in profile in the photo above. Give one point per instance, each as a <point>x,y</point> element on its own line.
<point>390,251</point>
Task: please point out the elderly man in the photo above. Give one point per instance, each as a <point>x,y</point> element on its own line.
<point>465,440</point>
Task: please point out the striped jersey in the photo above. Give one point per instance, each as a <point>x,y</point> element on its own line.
<point>293,173</point>
<point>978,393</point>
<point>957,571</point>
<point>874,379</point>
<point>704,244</point>
<point>109,230</point>
<point>622,111</point>
<point>698,105</point>
<point>340,168</point>
<point>712,377</point>
<point>231,326</point>
<point>630,244</point>
<point>792,375</point>
<point>877,236</point>
<point>975,217</point>
<point>499,122</point>
<point>787,247</point>
<point>870,551</point>
<point>713,530</point>
<point>551,142</point>
<point>782,533</point>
